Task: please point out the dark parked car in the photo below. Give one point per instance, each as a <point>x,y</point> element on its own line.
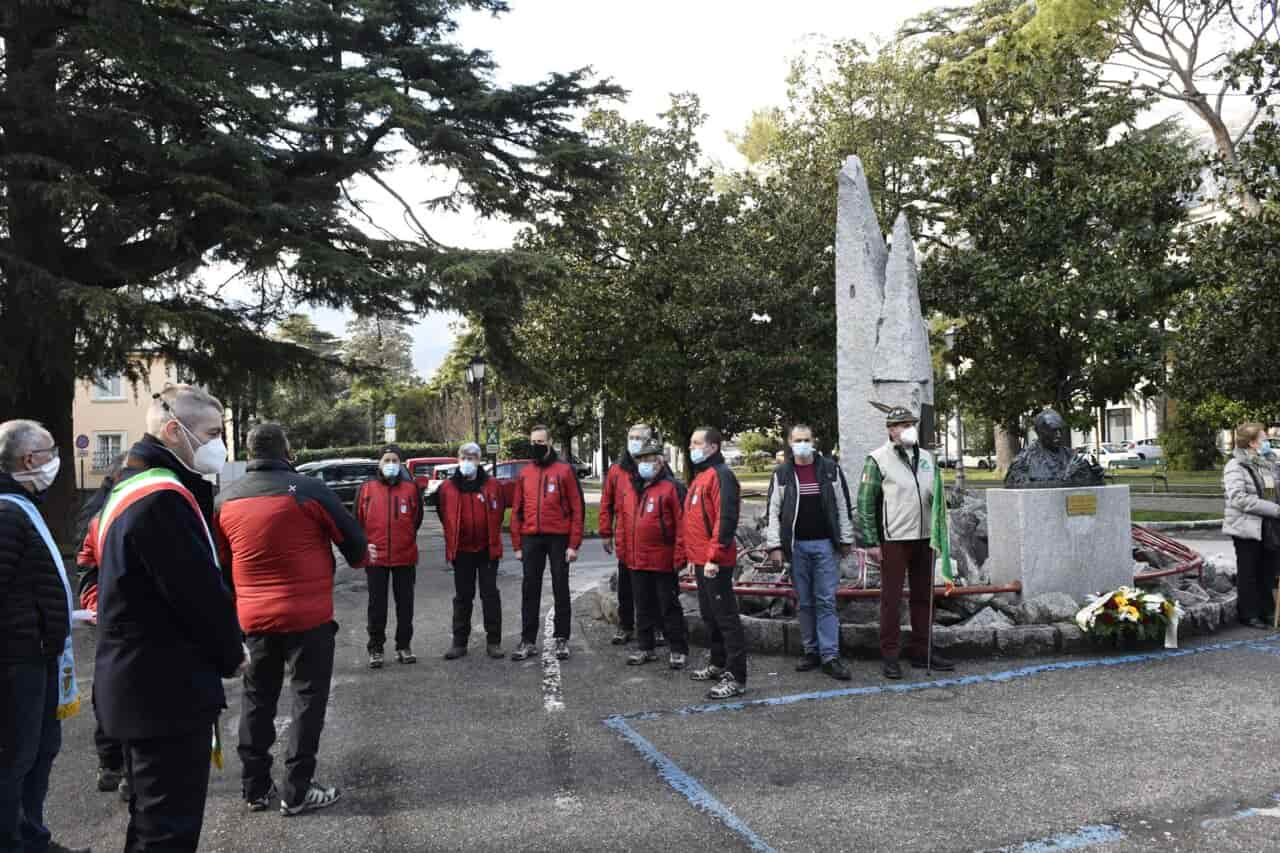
<point>344,476</point>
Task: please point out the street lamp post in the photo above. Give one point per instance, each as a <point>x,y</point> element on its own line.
<point>950,337</point>
<point>475,378</point>
<point>604,460</point>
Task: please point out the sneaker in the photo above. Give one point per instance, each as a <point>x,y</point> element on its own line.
<point>125,789</point>
<point>728,688</point>
<point>836,669</point>
<point>375,660</point>
<point>710,672</point>
<point>891,669</point>
<point>494,650</point>
<point>524,651</point>
<point>562,649</point>
<point>407,656</point>
<point>109,780</point>
<point>640,656</point>
<point>317,797</point>
<point>808,661</point>
<point>455,652</point>
<point>261,804</point>
<point>937,662</point>
<point>678,660</point>
<point>659,638</point>
<point>621,637</point>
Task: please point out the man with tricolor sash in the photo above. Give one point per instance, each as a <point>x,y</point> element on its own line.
<point>902,521</point>
<point>167,629</point>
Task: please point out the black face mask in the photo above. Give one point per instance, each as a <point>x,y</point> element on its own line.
<point>540,452</point>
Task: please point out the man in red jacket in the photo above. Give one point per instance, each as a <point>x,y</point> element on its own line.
<point>710,525</point>
<point>389,508</point>
<point>615,495</point>
<point>654,554</point>
<point>546,525</point>
<point>273,528</point>
<point>471,508</point>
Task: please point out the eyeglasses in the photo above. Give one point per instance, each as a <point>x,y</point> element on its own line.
<point>52,451</point>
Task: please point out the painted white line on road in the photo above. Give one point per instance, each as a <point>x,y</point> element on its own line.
<point>551,693</point>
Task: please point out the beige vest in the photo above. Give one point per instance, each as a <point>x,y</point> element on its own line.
<point>906,502</point>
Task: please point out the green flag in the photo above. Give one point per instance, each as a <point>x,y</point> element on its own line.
<point>938,538</point>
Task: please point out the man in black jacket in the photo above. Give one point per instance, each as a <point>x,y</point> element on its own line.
<point>34,623</point>
<point>167,630</point>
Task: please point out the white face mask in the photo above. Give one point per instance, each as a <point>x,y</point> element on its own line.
<point>802,449</point>
<point>634,445</point>
<point>209,457</point>
<point>696,455</point>
<point>468,468</point>
<point>42,477</point>
<point>390,469</point>
<point>909,437</point>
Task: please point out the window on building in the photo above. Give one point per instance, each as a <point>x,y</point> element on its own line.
<point>108,386</point>
<point>1119,424</point>
<point>107,448</point>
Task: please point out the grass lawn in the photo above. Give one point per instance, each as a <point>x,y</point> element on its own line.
<point>589,524</point>
<point>1142,516</point>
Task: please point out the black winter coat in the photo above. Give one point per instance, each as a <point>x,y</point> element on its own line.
<point>167,629</point>
<point>33,602</point>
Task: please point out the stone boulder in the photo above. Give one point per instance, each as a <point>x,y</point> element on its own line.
<point>988,618</point>
<point>967,513</point>
<point>1047,608</point>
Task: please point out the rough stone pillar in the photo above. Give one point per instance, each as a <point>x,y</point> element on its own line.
<point>902,370</point>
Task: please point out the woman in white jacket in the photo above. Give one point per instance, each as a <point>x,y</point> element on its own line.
<point>1249,482</point>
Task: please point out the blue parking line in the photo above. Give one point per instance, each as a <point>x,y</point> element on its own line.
<point>702,799</point>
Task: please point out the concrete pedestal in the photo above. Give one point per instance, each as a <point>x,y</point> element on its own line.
<point>1076,541</point>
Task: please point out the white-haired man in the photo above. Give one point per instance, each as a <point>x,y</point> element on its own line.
<point>167,629</point>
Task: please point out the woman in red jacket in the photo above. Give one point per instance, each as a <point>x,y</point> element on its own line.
<point>389,508</point>
<point>471,508</point>
<point>655,553</point>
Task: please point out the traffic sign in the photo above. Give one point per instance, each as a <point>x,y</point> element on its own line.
<point>389,422</point>
<point>492,408</point>
<point>82,442</point>
<point>492,438</point>
<point>389,434</point>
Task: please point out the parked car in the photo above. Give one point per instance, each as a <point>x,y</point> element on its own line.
<point>1147,448</point>
<point>343,476</point>
<point>981,461</point>
<point>1112,456</point>
<point>422,469</point>
<point>582,469</point>
<point>506,471</point>
<point>439,473</point>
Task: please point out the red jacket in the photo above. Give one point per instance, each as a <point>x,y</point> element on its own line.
<point>655,542</point>
<point>711,514</point>
<point>471,510</point>
<point>618,493</point>
<point>87,561</point>
<point>273,527</point>
<point>391,514</point>
<point>548,500</point>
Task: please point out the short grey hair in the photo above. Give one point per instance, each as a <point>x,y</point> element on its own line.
<point>17,439</point>
<point>470,449</point>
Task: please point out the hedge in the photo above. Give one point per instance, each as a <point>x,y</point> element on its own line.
<point>371,451</point>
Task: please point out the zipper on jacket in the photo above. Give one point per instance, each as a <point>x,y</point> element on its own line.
<point>795,514</point>
<point>542,487</point>
<point>391,504</point>
<point>915,476</point>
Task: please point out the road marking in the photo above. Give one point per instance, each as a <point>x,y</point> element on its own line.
<point>1085,836</point>
<point>551,687</point>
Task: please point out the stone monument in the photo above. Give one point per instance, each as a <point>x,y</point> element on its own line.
<point>882,342</point>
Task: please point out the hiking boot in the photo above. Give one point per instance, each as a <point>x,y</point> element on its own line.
<point>621,637</point>
<point>407,656</point>
<point>678,660</point>
<point>836,669</point>
<point>317,797</point>
<point>494,650</point>
<point>891,669</point>
<point>375,660</point>
<point>808,661</point>
<point>710,672</point>
<point>562,649</point>
<point>728,688</point>
<point>659,639</point>
<point>109,780</point>
<point>455,652</point>
<point>937,662</point>
<point>641,656</point>
<point>524,651</point>
<point>261,804</point>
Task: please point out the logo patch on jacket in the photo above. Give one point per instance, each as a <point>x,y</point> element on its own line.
<point>650,506</point>
<point>695,499</point>
<point>551,487</point>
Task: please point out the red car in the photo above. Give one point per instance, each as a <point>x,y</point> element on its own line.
<point>422,469</point>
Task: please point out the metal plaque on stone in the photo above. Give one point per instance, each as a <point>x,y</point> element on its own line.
<point>1083,504</point>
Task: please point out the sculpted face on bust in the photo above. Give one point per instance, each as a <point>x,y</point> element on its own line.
<point>1051,429</point>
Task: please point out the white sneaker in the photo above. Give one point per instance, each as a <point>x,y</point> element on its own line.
<point>317,797</point>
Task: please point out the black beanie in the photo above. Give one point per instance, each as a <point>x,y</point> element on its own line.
<point>392,448</point>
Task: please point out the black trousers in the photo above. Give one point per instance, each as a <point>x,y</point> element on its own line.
<point>170,778</point>
<point>468,567</point>
<point>30,737</point>
<point>400,579</point>
<point>1256,572</point>
<point>657,597</point>
<point>719,606</point>
<point>537,551</point>
<point>628,609</point>
<point>110,751</point>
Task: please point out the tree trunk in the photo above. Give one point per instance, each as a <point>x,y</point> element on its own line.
<point>1227,150</point>
<point>1007,446</point>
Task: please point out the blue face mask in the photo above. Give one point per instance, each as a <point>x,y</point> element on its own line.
<point>1266,446</point>
<point>468,468</point>
<point>802,449</point>
<point>634,445</point>
<point>648,470</point>
<point>697,455</point>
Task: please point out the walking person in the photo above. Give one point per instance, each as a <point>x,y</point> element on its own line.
<point>711,511</point>
<point>1252,519</point>
<point>471,509</point>
<point>274,529</point>
<point>389,508</point>
<point>618,493</point>
<point>811,524</point>
<point>37,669</point>
<point>167,629</point>
<point>895,512</point>
<point>546,527</point>
<point>655,555</point>
<point>111,775</point>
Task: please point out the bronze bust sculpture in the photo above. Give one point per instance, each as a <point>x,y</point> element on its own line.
<point>1048,463</point>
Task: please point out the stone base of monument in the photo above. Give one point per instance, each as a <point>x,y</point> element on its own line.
<point>1075,541</point>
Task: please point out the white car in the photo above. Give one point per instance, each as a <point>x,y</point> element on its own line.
<point>1147,449</point>
<point>1117,456</point>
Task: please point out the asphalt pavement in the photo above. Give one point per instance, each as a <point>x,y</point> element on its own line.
<point>1168,750</point>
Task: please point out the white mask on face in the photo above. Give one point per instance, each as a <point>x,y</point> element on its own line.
<point>209,457</point>
<point>802,449</point>
<point>909,437</point>
<point>43,476</point>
